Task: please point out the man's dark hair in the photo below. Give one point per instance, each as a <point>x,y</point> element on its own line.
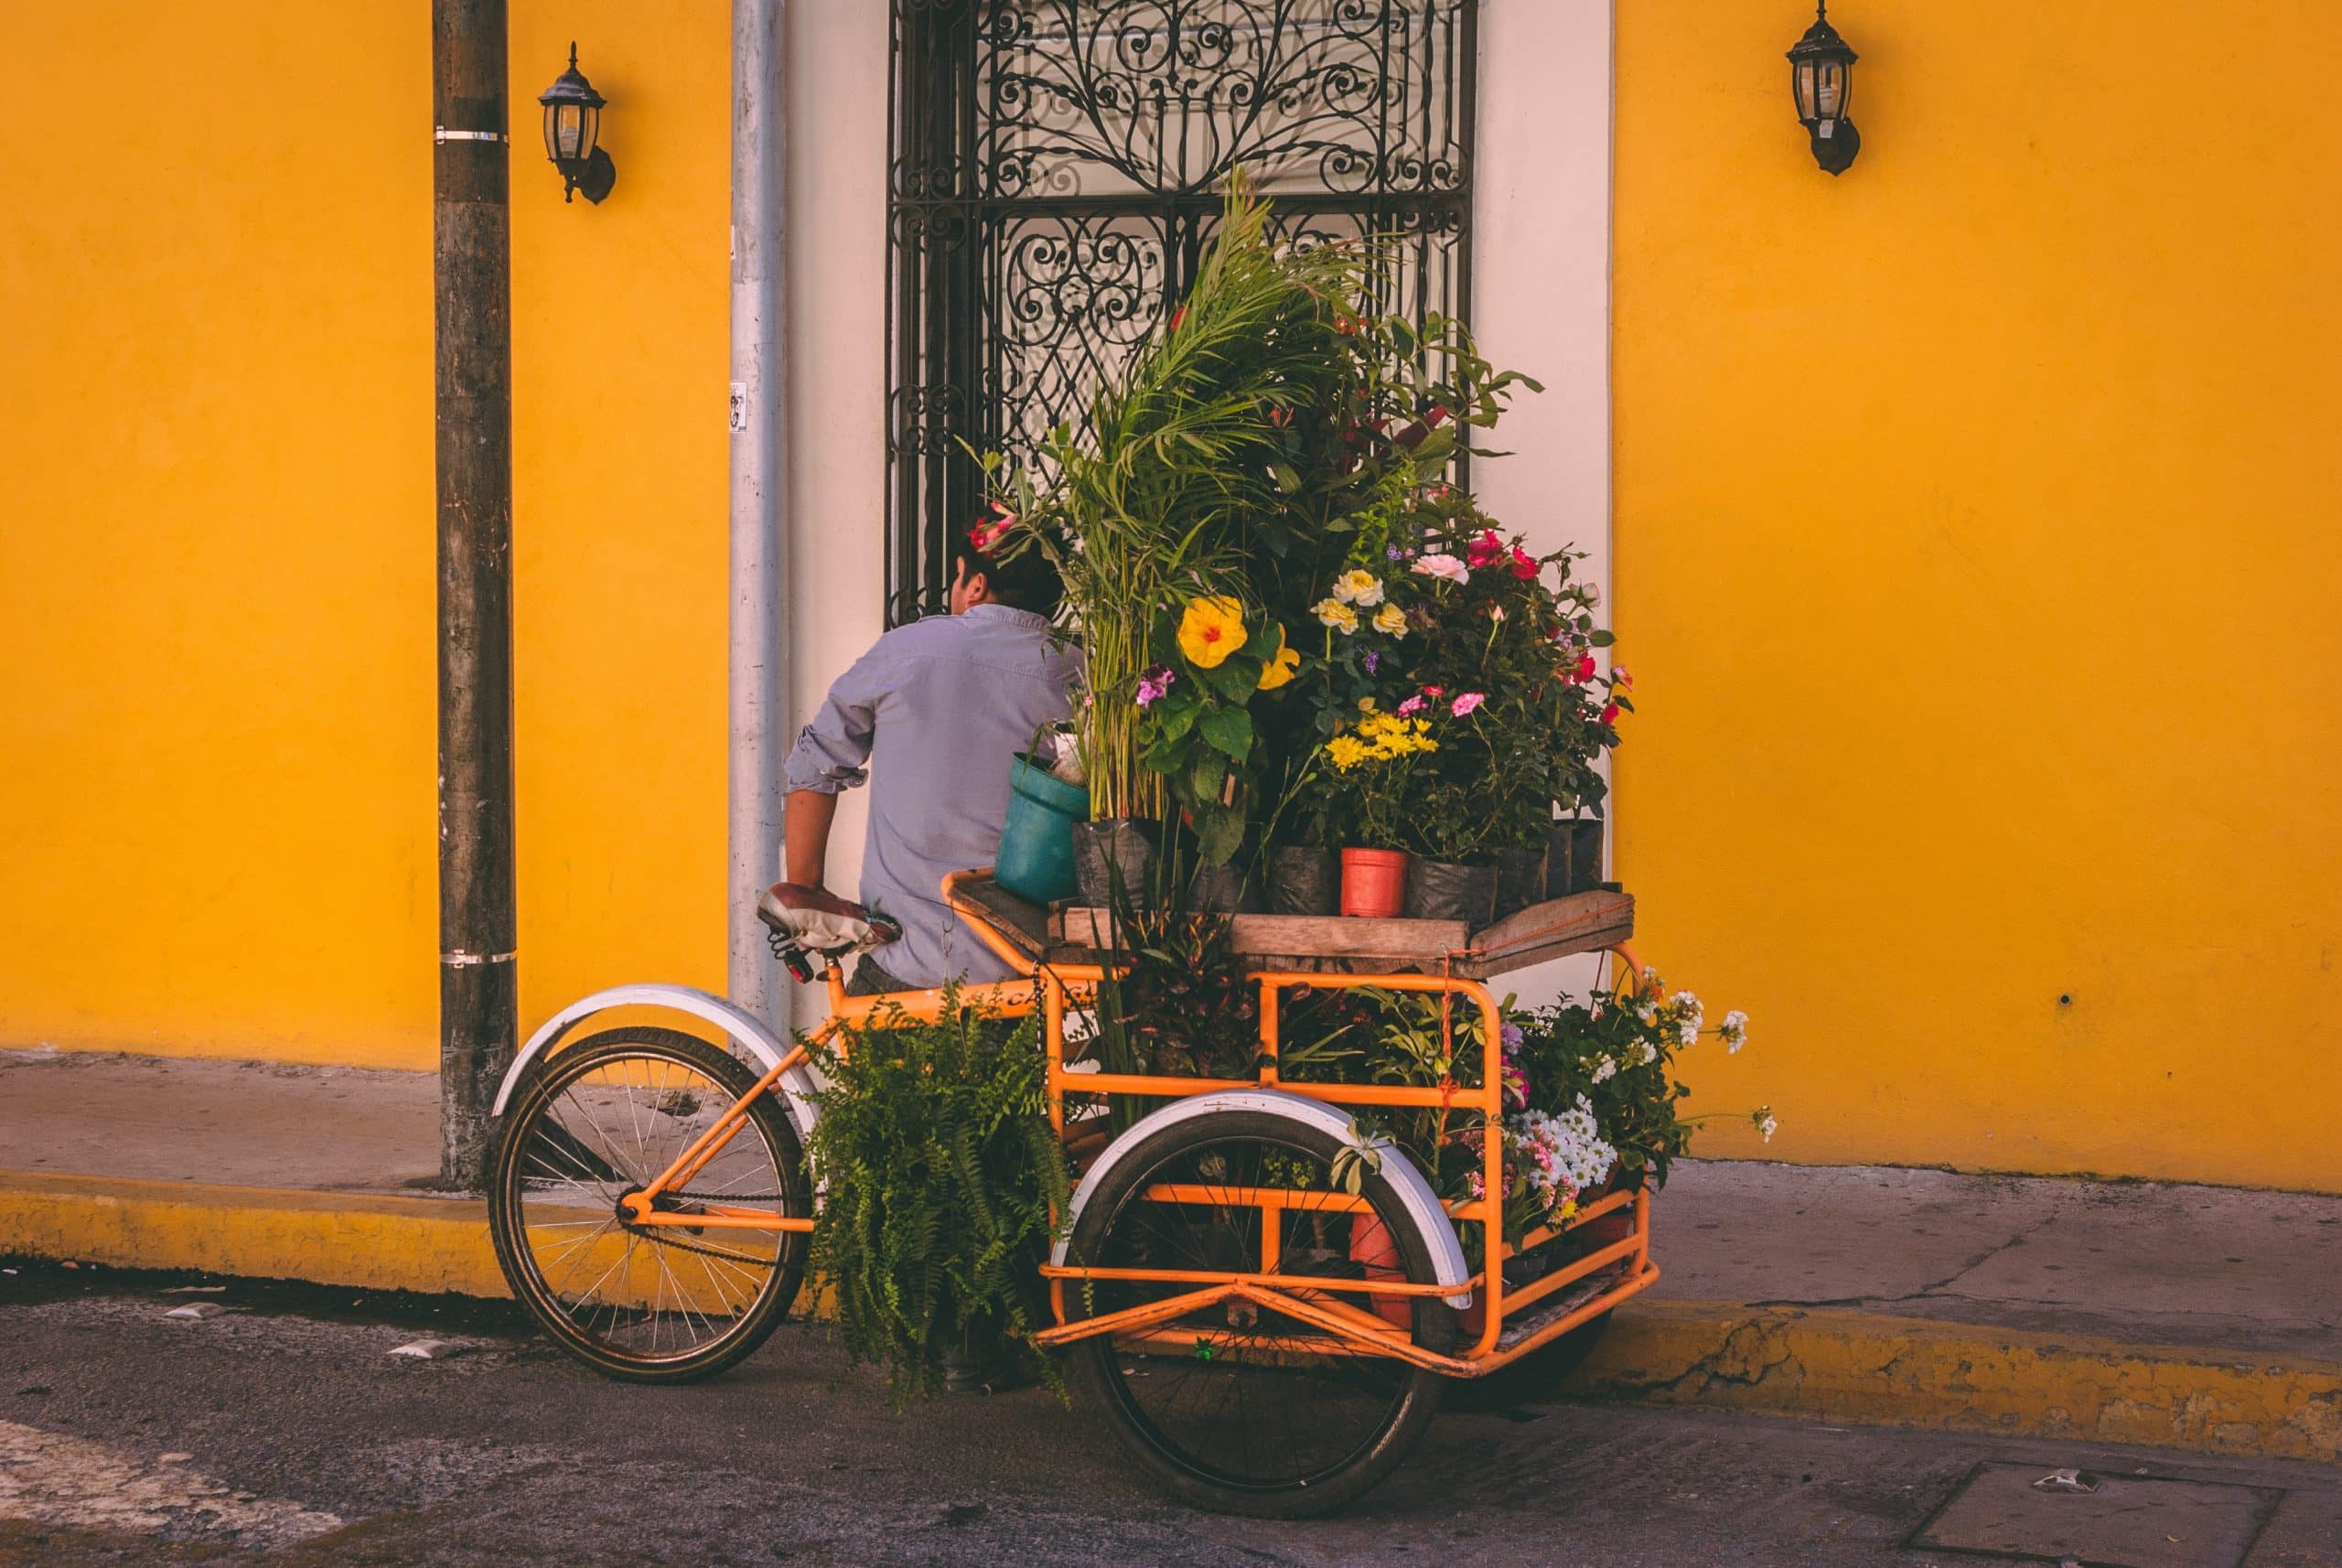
<point>1027,580</point>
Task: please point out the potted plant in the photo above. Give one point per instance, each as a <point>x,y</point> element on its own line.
<point>1373,769</point>
<point>942,1178</point>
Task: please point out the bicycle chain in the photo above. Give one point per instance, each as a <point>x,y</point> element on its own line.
<point>650,1234</point>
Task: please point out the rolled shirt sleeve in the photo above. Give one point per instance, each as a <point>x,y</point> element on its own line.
<point>830,751</point>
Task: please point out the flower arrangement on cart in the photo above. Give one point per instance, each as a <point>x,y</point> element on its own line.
<point>1266,1208</point>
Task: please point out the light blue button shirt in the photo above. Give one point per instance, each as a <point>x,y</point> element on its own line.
<point>937,709</point>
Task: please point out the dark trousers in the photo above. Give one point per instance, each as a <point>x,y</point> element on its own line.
<point>869,980</point>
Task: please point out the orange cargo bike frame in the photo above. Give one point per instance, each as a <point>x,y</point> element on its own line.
<point>1513,1321</point>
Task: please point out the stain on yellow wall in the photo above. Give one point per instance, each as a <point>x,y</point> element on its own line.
<point>217,552</point>
<point>1975,555</point>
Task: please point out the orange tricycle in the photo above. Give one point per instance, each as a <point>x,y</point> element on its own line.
<point>1265,1299</point>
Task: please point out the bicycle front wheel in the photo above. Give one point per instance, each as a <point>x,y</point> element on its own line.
<point>647,1303</point>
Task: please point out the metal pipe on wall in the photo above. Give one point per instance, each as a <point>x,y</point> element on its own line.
<point>759,577</point>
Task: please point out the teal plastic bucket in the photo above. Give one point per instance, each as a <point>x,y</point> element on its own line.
<point>1036,859</point>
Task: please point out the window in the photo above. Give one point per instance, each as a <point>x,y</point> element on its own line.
<point>1055,168</point>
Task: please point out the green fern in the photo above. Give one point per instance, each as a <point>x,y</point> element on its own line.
<point>941,1175</point>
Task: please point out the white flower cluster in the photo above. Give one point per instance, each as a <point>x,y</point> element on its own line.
<point>1734,1031</point>
<point>1561,1155</point>
<point>1690,1016</point>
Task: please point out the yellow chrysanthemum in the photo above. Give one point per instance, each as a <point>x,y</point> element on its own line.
<point>1336,614</point>
<point>1210,630</point>
<point>1281,666</point>
<point>1347,750</point>
<point>1359,586</point>
<point>1390,619</point>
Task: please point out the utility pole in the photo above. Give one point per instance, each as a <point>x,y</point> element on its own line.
<point>471,282</point>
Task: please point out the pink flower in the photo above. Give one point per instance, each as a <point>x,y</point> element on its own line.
<point>1584,673</point>
<point>1434,691</point>
<point>1484,550</point>
<point>1465,702</point>
<point>1154,684</point>
<point>1409,708</point>
<point>1620,679</point>
<point>1523,566</point>
<point>1610,713</point>
<point>1439,564</point>
<point>992,530</point>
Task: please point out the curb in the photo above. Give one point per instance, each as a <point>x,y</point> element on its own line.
<point>1959,1377</point>
<point>376,1241</point>
<point>1821,1365</point>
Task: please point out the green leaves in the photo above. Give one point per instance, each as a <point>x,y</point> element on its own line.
<point>1229,730</point>
<point>941,1172</point>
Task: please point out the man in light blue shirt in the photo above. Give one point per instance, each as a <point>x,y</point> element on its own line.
<point>937,709</point>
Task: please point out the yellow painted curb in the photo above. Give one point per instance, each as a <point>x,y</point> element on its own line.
<point>1959,1376</point>
<point>375,1242</point>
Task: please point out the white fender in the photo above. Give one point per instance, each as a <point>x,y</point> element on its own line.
<point>1415,1194</point>
<point>743,1028</point>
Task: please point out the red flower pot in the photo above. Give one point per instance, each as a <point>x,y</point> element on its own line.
<point>1605,1229</point>
<point>1371,1245</point>
<point>1374,882</point>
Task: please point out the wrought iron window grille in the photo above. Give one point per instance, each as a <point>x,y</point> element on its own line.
<point>1055,168</point>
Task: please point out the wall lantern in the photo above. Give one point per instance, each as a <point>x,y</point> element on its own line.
<point>1821,74</point>
<point>573,122</point>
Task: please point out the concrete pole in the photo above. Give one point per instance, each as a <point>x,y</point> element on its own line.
<point>760,580</point>
<point>471,283</point>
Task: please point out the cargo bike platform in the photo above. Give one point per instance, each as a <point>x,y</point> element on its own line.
<point>1266,1294</point>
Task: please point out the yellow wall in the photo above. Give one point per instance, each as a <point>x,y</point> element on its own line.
<point>1977,546</point>
<point>215,536</point>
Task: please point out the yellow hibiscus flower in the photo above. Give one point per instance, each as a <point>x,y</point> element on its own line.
<point>1336,614</point>
<point>1392,619</point>
<point>1210,630</point>
<point>1281,665</point>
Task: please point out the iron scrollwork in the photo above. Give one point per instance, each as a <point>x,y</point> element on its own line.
<point>1055,173</point>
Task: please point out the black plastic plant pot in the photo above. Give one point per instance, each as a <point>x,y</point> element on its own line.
<point>1585,854</point>
<point>1443,890</point>
<point>1304,881</point>
<point>1217,889</point>
<point>1120,849</point>
<point>1521,878</point>
<point>1573,857</point>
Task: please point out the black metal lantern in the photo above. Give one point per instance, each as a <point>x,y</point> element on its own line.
<point>1822,75</point>
<point>572,124</point>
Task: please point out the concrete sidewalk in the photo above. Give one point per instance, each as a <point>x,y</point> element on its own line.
<point>2201,1317</point>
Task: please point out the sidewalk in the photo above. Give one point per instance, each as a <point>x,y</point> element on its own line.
<point>2206,1319</point>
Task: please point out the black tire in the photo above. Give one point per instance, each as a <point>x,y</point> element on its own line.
<point>1358,1415</point>
<point>547,1150</point>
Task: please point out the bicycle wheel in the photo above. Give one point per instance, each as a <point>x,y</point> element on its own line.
<point>1234,1407</point>
<point>649,1303</point>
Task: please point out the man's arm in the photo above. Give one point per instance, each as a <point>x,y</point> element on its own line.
<point>805,835</point>
<point>828,757</point>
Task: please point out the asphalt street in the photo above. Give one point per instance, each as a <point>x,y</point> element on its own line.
<point>280,1429</point>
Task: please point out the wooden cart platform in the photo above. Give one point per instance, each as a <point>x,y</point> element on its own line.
<point>1580,923</point>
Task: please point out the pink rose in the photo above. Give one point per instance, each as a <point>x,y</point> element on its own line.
<point>1409,708</point>
<point>1465,702</point>
<point>1439,564</point>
